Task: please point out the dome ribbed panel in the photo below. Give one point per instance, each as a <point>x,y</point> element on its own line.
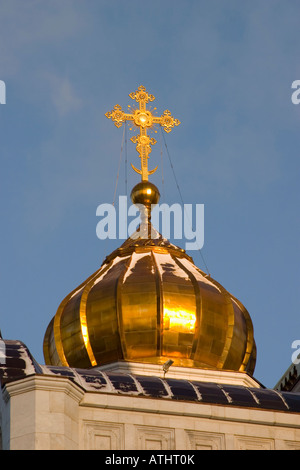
<point>150,303</point>
<point>238,340</point>
<point>137,308</point>
<point>101,314</point>
<point>213,320</point>
<point>179,308</point>
<point>71,335</point>
<point>49,347</point>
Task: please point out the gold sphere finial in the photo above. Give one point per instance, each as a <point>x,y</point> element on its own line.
<point>145,193</point>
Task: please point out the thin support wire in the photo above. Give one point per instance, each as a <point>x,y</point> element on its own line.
<point>162,168</point>
<point>120,160</point>
<point>126,158</point>
<point>180,194</point>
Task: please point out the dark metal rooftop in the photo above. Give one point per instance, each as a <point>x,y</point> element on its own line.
<point>18,363</point>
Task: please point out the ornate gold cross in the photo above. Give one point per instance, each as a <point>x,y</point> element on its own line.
<point>144,119</point>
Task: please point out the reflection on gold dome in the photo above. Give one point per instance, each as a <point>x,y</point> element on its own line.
<point>180,321</point>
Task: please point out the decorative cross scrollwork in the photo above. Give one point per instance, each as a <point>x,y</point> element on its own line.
<point>144,119</point>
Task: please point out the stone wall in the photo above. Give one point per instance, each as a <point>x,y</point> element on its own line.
<point>46,412</point>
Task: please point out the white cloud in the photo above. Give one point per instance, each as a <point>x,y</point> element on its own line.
<point>63,95</point>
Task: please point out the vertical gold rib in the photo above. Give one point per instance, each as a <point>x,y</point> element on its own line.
<point>83,323</point>
<point>250,336</point>
<point>57,332</point>
<point>57,321</point>
<point>119,290</point>
<point>46,349</point>
<point>230,323</point>
<point>160,307</point>
<point>82,315</point>
<point>196,287</point>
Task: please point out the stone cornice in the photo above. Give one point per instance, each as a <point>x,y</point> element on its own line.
<point>43,383</point>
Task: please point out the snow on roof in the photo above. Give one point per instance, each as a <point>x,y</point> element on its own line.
<point>135,258</point>
<point>199,277</point>
<point>166,263</point>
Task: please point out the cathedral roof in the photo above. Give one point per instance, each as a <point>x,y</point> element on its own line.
<point>20,364</point>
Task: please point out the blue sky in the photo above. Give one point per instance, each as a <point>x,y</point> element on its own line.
<point>225,70</point>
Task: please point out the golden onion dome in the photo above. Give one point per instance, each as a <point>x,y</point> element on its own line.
<point>147,303</point>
